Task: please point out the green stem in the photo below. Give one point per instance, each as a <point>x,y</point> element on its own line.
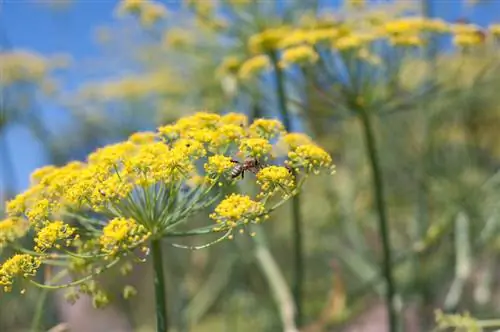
<point>159,284</point>
<point>382,216</point>
<point>298,251</point>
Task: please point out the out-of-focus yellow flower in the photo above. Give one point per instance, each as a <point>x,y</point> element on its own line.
<point>436,25</point>
<point>122,234</point>
<point>51,233</point>
<point>143,137</point>
<point>468,39</point>
<point>410,25</point>
<point>254,66</point>
<point>178,38</point>
<point>301,55</point>
<point>354,41</point>
<point>237,209</point>
<point>18,266</point>
<point>495,29</point>
<point>131,6</point>
<point>12,229</point>
<point>406,40</point>
<point>149,12</point>
<point>356,3</point>
<point>22,66</point>
<point>229,66</point>
<point>308,36</point>
<point>268,40</point>
<point>235,118</point>
<point>274,179</point>
<point>152,13</point>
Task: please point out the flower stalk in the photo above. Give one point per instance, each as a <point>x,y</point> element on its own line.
<point>297,235</point>
<point>159,287</point>
<point>378,189</point>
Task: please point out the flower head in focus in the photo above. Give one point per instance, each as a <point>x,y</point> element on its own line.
<point>21,265</point>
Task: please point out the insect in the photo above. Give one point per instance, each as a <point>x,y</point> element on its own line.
<point>249,164</point>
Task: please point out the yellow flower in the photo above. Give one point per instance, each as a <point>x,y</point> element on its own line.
<point>267,40</point>
<point>356,3</point>
<point>255,147</point>
<point>39,212</point>
<point>130,6</point>
<point>18,266</point>
<point>40,173</point>
<point>294,140</point>
<point>310,157</point>
<point>52,232</point>
<point>273,179</point>
<point>237,209</point>
<point>142,137</point>
<point>411,25</point>
<point>298,55</point>
<point>495,29</point>
<point>254,66</point>
<point>12,229</point>
<point>226,135</point>
<point>22,66</point>
<point>178,38</point>
<point>266,128</point>
<point>192,148</point>
<point>169,132</point>
<point>468,39</point>
<point>122,234</point>
<point>235,118</point>
<point>218,165</point>
<point>149,12</point>
<point>229,66</point>
<point>353,41</point>
<point>406,40</point>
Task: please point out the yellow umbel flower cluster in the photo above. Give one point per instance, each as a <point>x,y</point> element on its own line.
<point>18,266</point>
<point>275,179</point>
<point>122,234</point>
<point>237,209</point>
<point>255,147</point>
<point>55,231</point>
<point>89,215</point>
<point>267,128</point>
<point>218,165</point>
<point>309,157</point>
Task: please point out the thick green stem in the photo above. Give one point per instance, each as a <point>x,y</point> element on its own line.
<point>159,284</point>
<point>382,216</point>
<point>296,218</point>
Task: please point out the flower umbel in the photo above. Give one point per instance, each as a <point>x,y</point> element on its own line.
<point>274,179</point>
<point>18,266</point>
<point>237,210</point>
<point>122,234</point>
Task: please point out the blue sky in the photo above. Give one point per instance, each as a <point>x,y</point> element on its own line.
<point>49,29</point>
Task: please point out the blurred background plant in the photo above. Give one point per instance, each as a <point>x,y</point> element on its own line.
<point>403,94</point>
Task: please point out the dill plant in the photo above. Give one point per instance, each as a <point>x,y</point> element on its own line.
<point>117,206</point>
